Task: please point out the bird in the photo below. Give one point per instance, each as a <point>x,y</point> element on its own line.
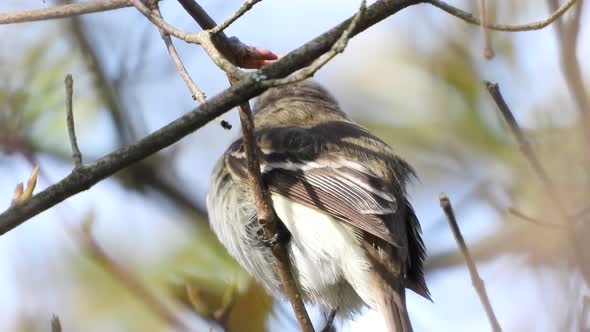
<point>353,238</point>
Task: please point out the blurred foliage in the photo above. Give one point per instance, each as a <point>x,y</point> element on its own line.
<point>455,137</point>
<point>32,99</point>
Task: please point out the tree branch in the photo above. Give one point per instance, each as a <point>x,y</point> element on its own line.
<point>546,181</point>
<point>99,79</point>
<point>478,284</point>
<point>248,87</point>
<point>230,20</point>
<point>268,219</point>
<point>76,155</point>
<point>567,35</point>
<point>55,324</point>
<point>195,38</point>
<point>469,18</point>
<point>535,221</point>
<point>62,11</point>
<point>192,87</point>
<point>488,52</point>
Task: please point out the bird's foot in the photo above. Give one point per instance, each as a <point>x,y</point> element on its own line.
<point>282,235</point>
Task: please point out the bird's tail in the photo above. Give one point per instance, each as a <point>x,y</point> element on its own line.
<point>394,310</point>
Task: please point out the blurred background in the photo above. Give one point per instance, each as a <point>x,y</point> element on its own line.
<point>414,80</point>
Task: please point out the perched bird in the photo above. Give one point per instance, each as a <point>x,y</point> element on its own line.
<point>340,193</point>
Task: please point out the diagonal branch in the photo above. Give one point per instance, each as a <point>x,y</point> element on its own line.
<point>546,181</point>
<point>567,35</point>
<point>196,93</point>
<point>248,87</point>
<point>203,38</point>
<point>62,11</point>
<point>478,284</point>
<point>195,38</point>
<point>469,18</point>
<point>535,221</point>
<point>268,219</point>
<point>229,21</point>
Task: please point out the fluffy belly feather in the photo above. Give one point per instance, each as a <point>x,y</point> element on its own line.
<point>326,253</point>
<point>328,263</point>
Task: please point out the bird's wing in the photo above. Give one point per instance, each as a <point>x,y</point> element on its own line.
<point>301,165</point>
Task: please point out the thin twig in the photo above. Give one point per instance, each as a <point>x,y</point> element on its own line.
<point>488,52</point>
<point>523,143</point>
<point>469,18</point>
<point>196,93</point>
<point>329,326</point>
<point>567,35</point>
<point>62,11</point>
<point>268,219</point>
<point>204,38</point>
<point>583,316</point>
<point>230,20</point>
<point>535,221</point>
<point>337,48</point>
<point>100,82</point>
<point>549,187</point>
<point>76,154</point>
<point>55,324</point>
<point>195,38</point>
<point>478,284</point>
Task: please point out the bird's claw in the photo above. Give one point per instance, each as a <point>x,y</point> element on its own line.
<point>282,235</point>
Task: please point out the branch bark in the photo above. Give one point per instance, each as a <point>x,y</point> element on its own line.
<point>549,187</point>
<point>478,284</point>
<point>76,154</point>
<point>62,11</point>
<point>248,87</point>
<point>196,93</point>
<point>567,35</point>
<point>268,219</point>
<point>469,18</point>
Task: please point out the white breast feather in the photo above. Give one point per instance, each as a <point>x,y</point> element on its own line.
<point>325,250</point>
